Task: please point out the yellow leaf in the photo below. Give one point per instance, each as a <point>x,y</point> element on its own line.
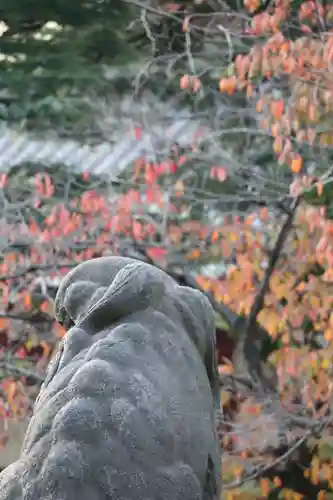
<point>226,369</point>
<point>325,364</point>
<point>281,291</point>
<point>328,335</point>
<point>29,344</point>
<point>225,398</point>
<point>270,320</point>
<point>326,139</point>
<point>315,302</point>
<point>277,145</point>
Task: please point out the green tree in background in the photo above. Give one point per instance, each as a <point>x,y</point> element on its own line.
<point>52,54</point>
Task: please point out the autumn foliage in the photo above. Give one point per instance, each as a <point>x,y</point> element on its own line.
<point>287,76</point>
<point>277,273</point>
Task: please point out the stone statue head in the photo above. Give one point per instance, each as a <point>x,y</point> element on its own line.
<point>101,291</point>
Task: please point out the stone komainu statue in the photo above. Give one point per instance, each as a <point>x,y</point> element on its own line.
<point>127,410</point>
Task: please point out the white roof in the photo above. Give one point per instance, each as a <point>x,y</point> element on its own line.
<point>162,128</point>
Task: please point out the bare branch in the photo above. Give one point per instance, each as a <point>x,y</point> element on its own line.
<point>259,471</point>
<point>22,372</point>
<point>33,268</point>
<point>27,317</point>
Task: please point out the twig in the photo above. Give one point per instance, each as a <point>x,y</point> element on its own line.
<point>315,429</point>
<point>21,371</point>
<point>27,318</point>
<point>35,268</point>
<point>229,381</point>
<point>259,471</point>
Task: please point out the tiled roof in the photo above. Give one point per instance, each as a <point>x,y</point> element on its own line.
<point>104,158</point>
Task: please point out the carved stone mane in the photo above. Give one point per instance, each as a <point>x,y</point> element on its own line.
<point>127,410</point>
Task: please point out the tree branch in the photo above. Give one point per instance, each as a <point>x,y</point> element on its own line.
<point>27,318</point>
<point>22,372</point>
<point>249,335</point>
<point>33,268</point>
<point>261,470</point>
<point>260,297</point>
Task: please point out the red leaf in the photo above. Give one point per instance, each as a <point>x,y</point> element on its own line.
<point>151,175</point>
<point>156,253</point>
<point>137,230</point>
<point>3,180</point>
<point>138,133</point>
<point>182,159</point>
<point>154,195</point>
<point>218,173</point>
<point>21,353</point>
<point>44,306</point>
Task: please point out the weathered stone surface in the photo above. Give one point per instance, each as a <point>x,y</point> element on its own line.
<point>127,410</point>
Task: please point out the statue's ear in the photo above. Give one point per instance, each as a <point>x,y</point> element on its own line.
<point>199,321</point>
<point>135,287</point>
<point>197,315</point>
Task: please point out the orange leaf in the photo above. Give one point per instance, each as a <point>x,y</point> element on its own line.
<point>3,323</point>
<point>277,108</point>
<point>297,164</point>
<point>264,487</point>
<point>60,331</point>
<point>27,301</point>
<point>320,188</point>
<point>185,82</point>
<point>259,106</point>
<point>228,85</point>
<point>215,236</point>
<point>203,282</point>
